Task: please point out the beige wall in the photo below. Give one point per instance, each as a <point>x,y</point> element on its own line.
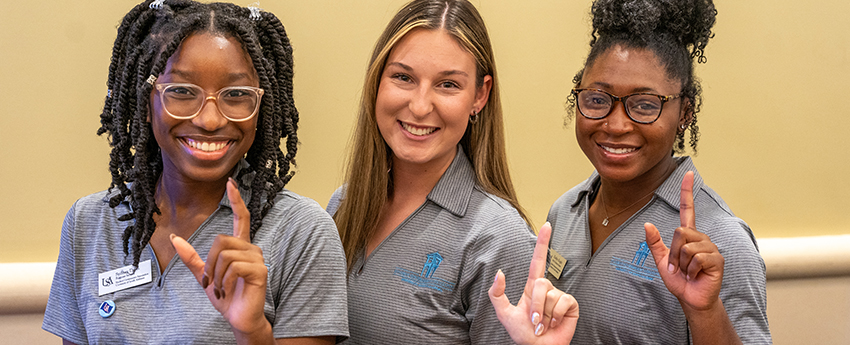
<point>774,121</point>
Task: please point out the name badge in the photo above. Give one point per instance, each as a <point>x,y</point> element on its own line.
<point>556,263</point>
<point>124,278</point>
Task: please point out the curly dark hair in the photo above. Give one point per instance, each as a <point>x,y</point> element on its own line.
<point>677,31</point>
<point>147,37</point>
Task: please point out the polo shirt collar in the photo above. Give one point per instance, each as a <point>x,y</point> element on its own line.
<point>668,191</point>
<point>454,189</point>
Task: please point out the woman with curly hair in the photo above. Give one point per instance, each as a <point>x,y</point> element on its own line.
<point>199,99</point>
<point>652,254</point>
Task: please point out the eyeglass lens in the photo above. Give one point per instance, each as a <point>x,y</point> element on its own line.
<point>641,108</point>
<point>186,101</point>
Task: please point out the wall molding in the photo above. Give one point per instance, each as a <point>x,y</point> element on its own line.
<point>24,286</point>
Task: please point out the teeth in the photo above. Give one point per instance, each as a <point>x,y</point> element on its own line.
<point>205,146</point>
<point>418,131</point>
<point>618,151</point>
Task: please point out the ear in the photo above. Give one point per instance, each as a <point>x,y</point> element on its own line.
<point>482,94</point>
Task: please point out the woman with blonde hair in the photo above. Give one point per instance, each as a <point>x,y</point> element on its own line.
<point>428,213</point>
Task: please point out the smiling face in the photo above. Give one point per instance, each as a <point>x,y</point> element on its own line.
<point>207,147</point>
<point>426,94</point>
<point>620,149</point>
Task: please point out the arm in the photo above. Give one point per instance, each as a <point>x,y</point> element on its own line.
<point>62,316</point>
<point>692,270</point>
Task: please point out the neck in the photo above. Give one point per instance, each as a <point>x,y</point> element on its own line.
<point>176,196</point>
<point>621,194</point>
<point>411,180</point>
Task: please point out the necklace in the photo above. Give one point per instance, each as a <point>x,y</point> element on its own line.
<point>605,208</point>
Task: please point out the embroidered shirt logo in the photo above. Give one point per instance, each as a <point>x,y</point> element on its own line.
<point>425,277</point>
<point>636,266</point>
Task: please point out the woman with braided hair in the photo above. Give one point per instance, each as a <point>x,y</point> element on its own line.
<point>199,100</point>
<point>653,255</point>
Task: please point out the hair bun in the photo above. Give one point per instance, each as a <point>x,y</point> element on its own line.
<point>688,21</point>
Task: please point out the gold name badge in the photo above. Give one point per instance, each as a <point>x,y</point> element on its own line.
<point>556,263</point>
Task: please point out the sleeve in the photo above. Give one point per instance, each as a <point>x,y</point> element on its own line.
<point>743,291</point>
<point>311,298</point>
<point>62,316</point>
<point>506,243</point>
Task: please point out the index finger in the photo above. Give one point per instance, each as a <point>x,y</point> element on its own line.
<point>686,201</point>
<point>241,216</point>
<point>537,269</point>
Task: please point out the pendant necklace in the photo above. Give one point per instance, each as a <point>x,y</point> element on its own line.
<point>604,208</point>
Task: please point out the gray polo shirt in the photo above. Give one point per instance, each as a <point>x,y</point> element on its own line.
<point>306,293</point>
<point>427,282</point>
<point>621,296</point>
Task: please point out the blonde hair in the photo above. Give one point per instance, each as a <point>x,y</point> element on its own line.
<point>367,182</point>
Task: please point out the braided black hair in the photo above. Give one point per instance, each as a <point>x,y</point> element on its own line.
<point>676,31</point>
<point>146,38</point>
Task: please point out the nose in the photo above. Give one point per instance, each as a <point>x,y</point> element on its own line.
<point>618,120</point>
<point>421,102</point>
<point>209,118</point>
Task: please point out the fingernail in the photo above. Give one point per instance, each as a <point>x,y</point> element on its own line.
<point>215,292</point>
<point>538,329</point>
<point>535,318</point>
<point>172,236</point>
<point>552,323</point>
<point>205,282</point>
<point>222,293</point>
<point>688,277</point>
<point>670,268</point>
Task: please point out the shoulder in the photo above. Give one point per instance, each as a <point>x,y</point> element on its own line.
<point>715,219</point>
<point>493,219</point>
<point>571,198</point>
<point>291,207</point>
<point>336,200</point>
<point>94,212</point>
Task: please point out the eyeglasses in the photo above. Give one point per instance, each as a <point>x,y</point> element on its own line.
<point>641,107</point>
<point>185,101</point>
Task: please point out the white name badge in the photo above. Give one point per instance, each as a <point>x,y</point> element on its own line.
<point>124,278</point>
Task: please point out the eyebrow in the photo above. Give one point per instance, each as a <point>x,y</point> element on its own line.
<point>231,77</point>
<point>443,73</point>
<point>602,85</point>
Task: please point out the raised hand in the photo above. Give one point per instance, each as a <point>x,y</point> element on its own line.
<point>234,275</point>
<point>544,314</point>
<point>692,268</point>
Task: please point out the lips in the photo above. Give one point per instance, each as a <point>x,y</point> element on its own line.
<point>618,150</point>
<point>417,130</point>
<point>206,146</point>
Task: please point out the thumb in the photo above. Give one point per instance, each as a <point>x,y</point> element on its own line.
<point>656,245</point>
<point>189,257</point>
<point>497,295</point>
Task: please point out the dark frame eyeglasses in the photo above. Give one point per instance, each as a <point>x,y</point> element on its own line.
<point>184,101</point>
<point>645,107</point>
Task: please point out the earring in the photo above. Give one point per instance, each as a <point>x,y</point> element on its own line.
<point>474,117</point>
<point>682,126</point>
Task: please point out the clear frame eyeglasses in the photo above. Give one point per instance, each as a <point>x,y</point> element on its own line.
<point>641,107</point>
<point>184,101</point>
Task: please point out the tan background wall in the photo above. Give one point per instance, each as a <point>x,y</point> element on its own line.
<point>774,121</point>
